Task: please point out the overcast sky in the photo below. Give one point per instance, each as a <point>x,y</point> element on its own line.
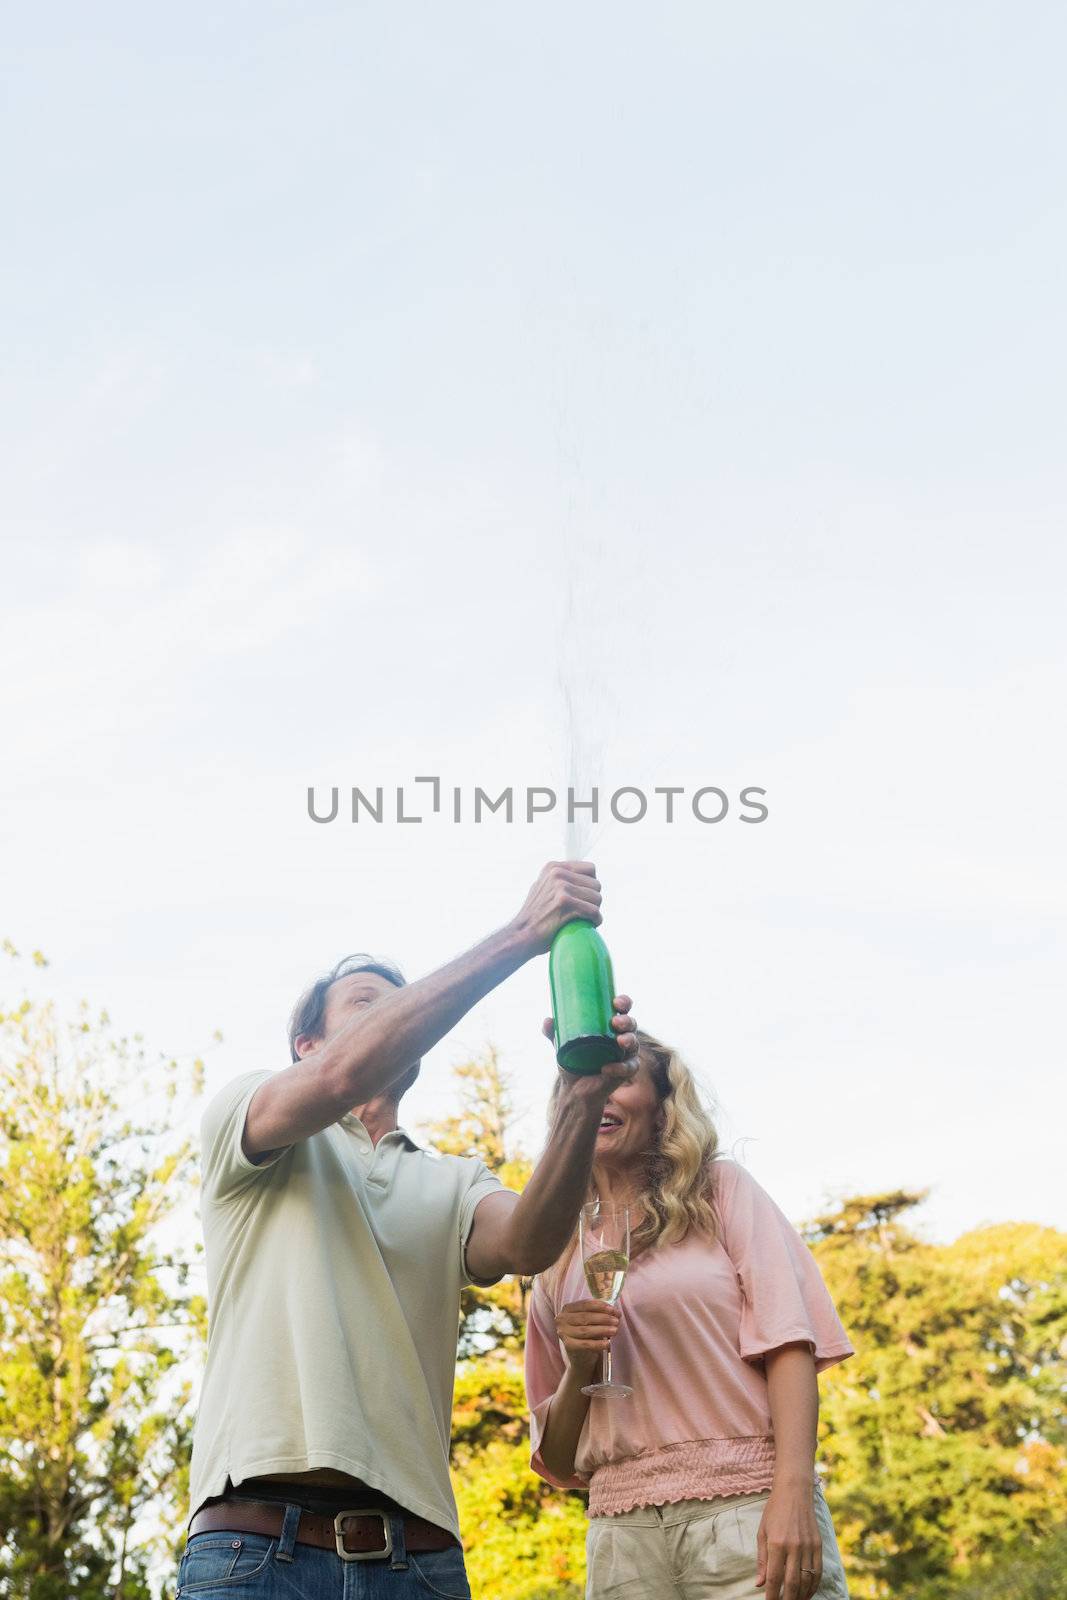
<point>366,366</point>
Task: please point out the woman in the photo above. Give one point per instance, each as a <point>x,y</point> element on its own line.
<point>703,1482</point>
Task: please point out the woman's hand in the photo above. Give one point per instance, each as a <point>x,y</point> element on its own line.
<point>788,1544</point>
<point>585,1328</point>
<point>612,1073</point>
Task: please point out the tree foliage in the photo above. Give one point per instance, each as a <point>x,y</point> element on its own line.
<point>944,1436</point>
<point>490,1319</point>
<point>525,1540</point>
<point>1026,1570</point>
<point>95,1427</point>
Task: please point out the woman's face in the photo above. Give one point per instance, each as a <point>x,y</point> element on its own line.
<point>630,1122</point>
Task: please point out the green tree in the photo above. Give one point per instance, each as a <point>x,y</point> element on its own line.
<point>1025,1571</point>
<point>95,1307</point>
<point>524,1540</point>
<point>944,1436</point>
<point>490,1319</point>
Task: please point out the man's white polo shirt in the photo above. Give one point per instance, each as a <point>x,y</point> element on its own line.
<point>334,1274</point>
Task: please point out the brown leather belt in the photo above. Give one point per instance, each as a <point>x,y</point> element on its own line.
<point>357,1535</point>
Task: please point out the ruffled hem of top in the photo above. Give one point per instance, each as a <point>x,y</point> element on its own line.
<point>696,1469</point>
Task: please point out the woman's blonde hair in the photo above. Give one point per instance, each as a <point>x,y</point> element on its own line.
<point>677,1191</point>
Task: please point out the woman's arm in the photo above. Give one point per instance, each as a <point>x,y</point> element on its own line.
<point>563,1427</point>
<point>789,1325</point>
<point>585,1328</point>
<point>525,1233</point>
<point>793,1392</point>
<point>790,1549</point>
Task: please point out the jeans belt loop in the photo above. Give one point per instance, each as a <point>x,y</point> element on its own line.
<point>290,1528</point>
<point>399,1563</point>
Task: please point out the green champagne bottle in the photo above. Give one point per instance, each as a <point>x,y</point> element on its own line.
<point>583,988</point>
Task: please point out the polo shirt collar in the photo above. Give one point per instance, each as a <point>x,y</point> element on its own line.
<point>356,1122</point>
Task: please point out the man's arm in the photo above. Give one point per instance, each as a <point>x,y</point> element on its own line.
<point>525,1233</point>
<point>379,1043</point>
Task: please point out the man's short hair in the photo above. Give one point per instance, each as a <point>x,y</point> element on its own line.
<point>310,1010</point>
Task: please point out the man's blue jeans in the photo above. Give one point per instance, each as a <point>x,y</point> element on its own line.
<point>255,1566</point>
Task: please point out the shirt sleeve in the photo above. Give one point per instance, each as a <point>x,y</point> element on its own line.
<point>784,1299</point>
<point>224,1166</point>
<point>545,1366</point>
<point>481,1183</point>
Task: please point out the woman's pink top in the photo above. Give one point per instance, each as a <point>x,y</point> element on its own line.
<point>697,1318</point>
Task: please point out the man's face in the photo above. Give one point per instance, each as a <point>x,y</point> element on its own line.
<point>348,995</point>
<point>346,998</point>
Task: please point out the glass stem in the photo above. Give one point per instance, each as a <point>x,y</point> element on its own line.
<point>607,1365</point>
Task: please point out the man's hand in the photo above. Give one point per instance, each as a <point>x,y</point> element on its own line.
<point>564,892</point>
<point>624,1027</point>
<point>789,1549</point>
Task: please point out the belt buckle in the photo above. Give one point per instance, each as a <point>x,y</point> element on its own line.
<point>362,1555</point>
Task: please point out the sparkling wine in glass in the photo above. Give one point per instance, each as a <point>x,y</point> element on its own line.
<point>604,1238</point>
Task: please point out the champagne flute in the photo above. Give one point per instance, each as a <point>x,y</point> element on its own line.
<point>604,1238</point>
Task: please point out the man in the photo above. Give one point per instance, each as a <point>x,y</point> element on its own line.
<point>336,1252</point>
